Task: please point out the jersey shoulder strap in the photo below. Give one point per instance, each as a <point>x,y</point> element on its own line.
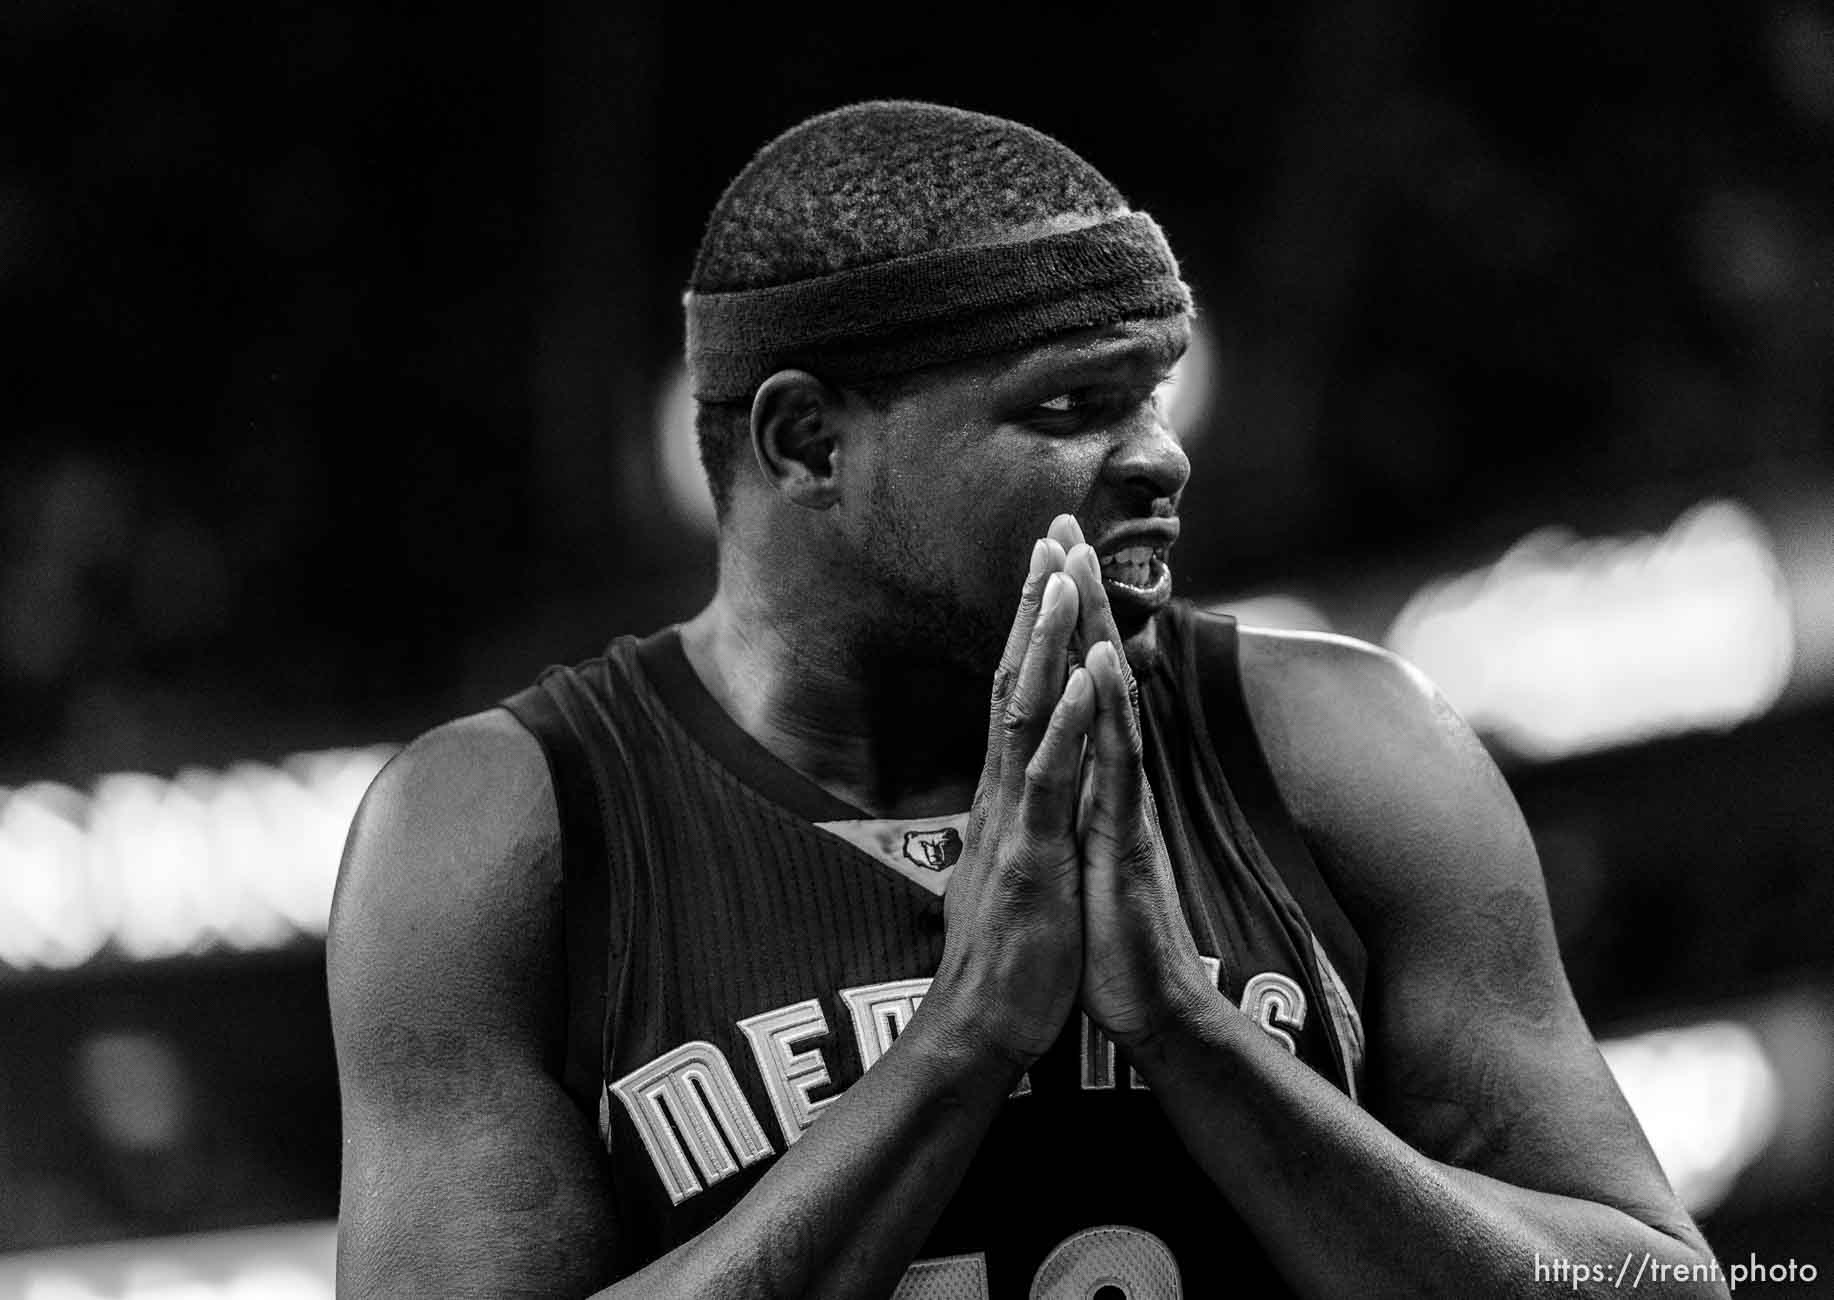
<point>1216,652</point>
<point>555,710</point>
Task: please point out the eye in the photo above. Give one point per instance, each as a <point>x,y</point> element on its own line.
<point>1090,407</point>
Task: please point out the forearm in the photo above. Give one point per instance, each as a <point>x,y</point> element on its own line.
<point>1344,1206</point>
<point>845,1209</point>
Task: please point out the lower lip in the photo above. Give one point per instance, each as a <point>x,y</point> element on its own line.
<point>1125,600</point>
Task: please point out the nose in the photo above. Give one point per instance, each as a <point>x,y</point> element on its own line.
<point>1148,463</point>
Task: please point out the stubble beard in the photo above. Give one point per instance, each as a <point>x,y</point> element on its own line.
<point>921,623</point>
<point>921,619</point>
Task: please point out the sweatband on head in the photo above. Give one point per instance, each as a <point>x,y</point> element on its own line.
<point>892,317</point>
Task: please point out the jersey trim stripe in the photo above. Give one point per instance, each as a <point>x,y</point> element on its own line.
<point>584,884</point>
<point>1225,727</point>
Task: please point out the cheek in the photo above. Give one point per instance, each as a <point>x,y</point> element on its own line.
<point>1004,512</point>
<point>983,500</point>
<point>1056,478</point>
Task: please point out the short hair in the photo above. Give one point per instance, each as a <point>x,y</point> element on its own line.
<point>870,183</point>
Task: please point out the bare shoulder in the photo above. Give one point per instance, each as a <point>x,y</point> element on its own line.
<point>1306,678</point>
<point>1377,768</point>
<point>480,782</point>
<point>467,1170</point>
<point>444,947</point>
<point>449,890</point>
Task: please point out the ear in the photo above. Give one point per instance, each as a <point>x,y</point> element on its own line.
<point>796,435</point>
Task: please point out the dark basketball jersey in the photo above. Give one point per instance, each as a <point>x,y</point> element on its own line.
<point>742,945</point>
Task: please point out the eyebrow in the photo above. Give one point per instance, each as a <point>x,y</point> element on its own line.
<point>1157,350</point>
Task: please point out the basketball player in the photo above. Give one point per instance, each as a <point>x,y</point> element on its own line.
<point>764,957</point>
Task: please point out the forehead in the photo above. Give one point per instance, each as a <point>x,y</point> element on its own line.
<point>969,394</point>
<point>1127,350</point>
<point>1152,345</point>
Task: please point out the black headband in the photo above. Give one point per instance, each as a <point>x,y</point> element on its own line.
<point>892,317</point>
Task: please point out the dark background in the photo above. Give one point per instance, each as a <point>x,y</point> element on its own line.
<point>335,337</point>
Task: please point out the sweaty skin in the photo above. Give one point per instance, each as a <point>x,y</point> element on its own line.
<point>1493,1132</point>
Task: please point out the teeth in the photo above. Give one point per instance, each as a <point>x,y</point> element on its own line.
<point>1131,566</point>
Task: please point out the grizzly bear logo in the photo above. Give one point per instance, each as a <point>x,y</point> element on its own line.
<point>936,850</point>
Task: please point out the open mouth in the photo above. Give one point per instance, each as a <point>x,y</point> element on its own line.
<point>1137,574</point>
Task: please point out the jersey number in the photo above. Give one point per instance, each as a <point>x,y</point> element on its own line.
<point>1111,1263</point>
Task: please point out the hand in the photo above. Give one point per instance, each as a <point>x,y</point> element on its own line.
<point>1140,964</point>
<point>1012,955</point>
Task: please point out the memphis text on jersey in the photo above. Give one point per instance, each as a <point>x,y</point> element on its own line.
<point>699,1129</point>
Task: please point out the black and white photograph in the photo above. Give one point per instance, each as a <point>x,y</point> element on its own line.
<point>934,653</point>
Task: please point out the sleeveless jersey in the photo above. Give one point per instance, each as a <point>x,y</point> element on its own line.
<point>742,945</point>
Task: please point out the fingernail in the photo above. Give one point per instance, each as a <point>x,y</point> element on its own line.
<point>1054,590</point>
<point>1077,685</point>
<point>1039,552</point>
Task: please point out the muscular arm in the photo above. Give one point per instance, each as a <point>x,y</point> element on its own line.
<point>466,1171</point>
<point>1494,1134</point>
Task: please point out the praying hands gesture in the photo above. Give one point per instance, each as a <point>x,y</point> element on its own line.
<point>1065,894</point>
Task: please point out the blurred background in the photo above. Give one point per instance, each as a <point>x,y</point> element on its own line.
<point>340,393</point>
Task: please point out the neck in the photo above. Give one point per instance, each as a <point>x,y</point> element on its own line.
<point>881,730</point>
